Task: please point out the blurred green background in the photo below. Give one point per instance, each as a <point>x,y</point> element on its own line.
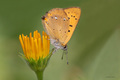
<point>94,49</point>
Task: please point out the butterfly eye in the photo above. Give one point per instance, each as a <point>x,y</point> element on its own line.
<point>43,18</point>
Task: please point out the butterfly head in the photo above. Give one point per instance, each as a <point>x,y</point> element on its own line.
<point>43,18</point>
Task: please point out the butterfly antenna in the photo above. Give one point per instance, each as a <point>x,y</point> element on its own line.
<point>67,56</point>
<point>66,53</point>
<point>62,55</point>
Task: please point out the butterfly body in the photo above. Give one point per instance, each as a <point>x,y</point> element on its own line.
<point>60,24</point>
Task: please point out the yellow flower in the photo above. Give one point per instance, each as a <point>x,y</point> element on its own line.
<point>35,47</point>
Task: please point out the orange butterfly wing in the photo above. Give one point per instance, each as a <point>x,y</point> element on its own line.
<point>60,23</point>
<point>73,14</point>
<point>56,24</point>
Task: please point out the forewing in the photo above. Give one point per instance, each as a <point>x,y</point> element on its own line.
<point>56,24</point>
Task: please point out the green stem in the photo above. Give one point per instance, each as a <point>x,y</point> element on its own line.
<point>39,75</point>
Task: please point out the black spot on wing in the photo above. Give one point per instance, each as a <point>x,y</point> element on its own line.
<point>68,30</point>
<point>71,25</point>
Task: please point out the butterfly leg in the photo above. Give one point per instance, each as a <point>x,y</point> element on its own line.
<point>55,49</point>
<point>62,55</point>
<point>66,53</point>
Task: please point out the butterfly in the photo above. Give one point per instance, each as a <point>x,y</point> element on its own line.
<point>60,24</point>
